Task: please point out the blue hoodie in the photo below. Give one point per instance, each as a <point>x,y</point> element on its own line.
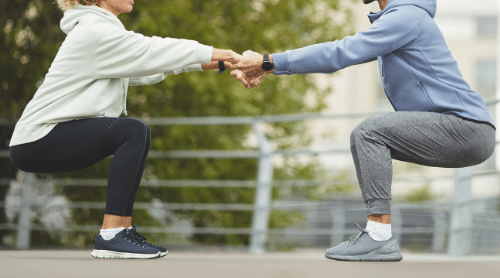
<point>417,70</point>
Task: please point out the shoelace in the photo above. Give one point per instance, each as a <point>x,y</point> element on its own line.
<point>353,239</point>
<point>132,239</point>
<point>138,236</point>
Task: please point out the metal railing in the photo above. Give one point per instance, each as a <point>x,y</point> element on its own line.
<point>445,215</point>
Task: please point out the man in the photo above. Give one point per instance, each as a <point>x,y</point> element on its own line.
<point>439,121</point>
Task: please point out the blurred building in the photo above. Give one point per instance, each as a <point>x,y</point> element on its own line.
<point>470,29</point>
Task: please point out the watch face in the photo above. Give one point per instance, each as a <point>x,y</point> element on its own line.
<point>267,66</point>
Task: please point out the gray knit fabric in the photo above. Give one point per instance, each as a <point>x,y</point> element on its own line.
<point>425,138</point>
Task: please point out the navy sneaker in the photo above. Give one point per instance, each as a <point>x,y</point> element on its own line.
<point>363,248</point>
<point>123,246</point>
<point>142,239</point>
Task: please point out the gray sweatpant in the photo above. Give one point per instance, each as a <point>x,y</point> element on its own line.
<point>425,138</point>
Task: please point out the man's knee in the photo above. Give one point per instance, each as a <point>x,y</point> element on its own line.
<point>481,150</point>
<point>360,133</point>
<point>481,153</point>
<point>365,127</point>
<point>355,134</point>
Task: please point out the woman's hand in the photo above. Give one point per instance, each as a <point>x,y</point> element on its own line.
<point>247,68</point>
<point>226,56</point>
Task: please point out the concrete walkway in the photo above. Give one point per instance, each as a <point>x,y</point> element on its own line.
<point>302,263</point>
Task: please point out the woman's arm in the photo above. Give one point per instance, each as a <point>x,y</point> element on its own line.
<point>124,54</point>
<point>215,65</point>
<point>217,55</point>
<point>226,56</point>
<point>157,78</point>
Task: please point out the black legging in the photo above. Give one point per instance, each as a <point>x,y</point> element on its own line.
<point>78,144</point>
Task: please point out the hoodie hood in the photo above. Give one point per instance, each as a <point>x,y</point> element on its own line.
<point>430,6</point>
<point>73,15</point>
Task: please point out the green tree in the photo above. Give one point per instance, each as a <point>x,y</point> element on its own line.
<point>261,25</point>
<point>29,40</point>
<point>423,194</point>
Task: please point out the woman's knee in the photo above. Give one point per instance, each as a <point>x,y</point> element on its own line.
<point>148,136</point>
<point>136,130</point>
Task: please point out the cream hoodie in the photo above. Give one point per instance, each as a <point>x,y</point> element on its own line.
<point>92,70</point>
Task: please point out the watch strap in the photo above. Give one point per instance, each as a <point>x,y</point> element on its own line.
<point>222,68</point>
<point>266,64</point>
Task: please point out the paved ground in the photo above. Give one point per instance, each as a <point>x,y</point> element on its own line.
<point>303,263</point>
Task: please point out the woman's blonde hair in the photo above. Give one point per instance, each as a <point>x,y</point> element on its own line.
<point>66,4</point>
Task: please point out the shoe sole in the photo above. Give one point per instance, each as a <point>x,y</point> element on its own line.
<point>106,254</point>
<point>163,254</point>
<point>370,257</point>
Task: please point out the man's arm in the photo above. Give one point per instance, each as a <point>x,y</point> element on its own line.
<point>389,33</point>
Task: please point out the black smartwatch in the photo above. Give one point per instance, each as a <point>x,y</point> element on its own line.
<point>267,65</point>
<point>222,68</point>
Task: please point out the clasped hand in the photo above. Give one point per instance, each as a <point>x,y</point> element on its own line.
<point>247,68</point>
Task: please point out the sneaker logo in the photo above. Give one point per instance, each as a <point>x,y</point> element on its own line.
<point>390,247</point>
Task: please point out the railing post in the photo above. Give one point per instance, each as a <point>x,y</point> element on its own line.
<point>338,225</point>
<point>439,236</point>
<point>260,221</point>
<point>461,215</point>
<point>397,222</point>
<point>23,240</point>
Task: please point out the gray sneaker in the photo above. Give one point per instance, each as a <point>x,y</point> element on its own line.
<point>363,248</point>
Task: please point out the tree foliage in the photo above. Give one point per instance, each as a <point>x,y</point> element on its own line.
<point>30,38</point>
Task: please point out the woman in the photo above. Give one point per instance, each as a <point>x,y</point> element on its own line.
<point>439,120</point>
<point>73,121</point>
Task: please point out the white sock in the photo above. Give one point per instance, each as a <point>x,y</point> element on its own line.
<point>379,231</point>
<point>108,234</point>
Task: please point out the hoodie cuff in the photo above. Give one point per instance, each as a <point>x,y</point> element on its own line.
<point>280,61</point>
<point>193,67</point>
<point>204,54</point>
